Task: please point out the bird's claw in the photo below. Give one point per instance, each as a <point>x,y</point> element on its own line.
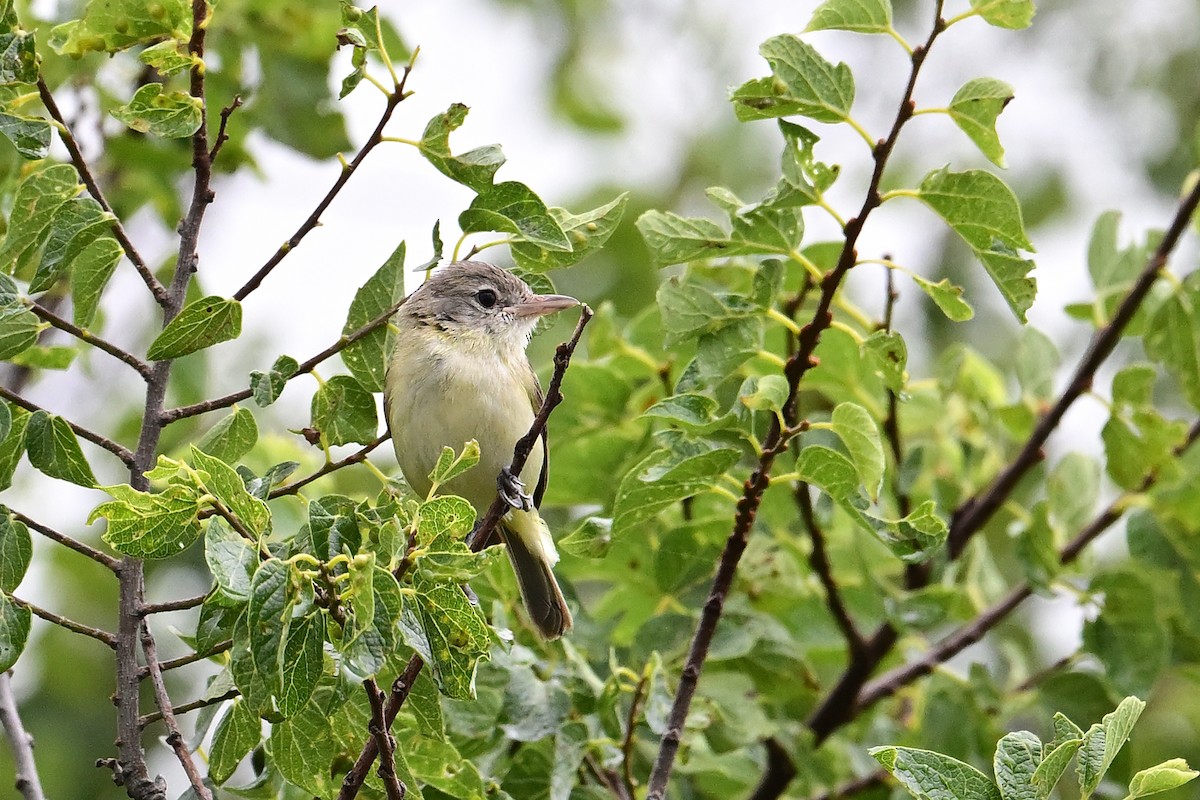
<point>512,489</point>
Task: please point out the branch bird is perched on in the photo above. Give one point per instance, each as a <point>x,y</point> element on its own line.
<point>459,372</point>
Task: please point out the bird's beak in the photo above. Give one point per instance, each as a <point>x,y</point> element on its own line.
<point>539,305</point>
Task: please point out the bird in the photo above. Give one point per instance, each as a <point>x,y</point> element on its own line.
<point>459,372</point>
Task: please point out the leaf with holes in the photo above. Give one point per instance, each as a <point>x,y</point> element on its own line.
<point>201,324</point>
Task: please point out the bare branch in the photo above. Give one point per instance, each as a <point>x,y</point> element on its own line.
<point>21,742</point>
<point>81,166</point>
<point>190,658</point>
<point>635,707</point>
<point>118,450</point>
<point>174,414</point>
<point>222,137</point>
<point>356,457</point>
<point>141,367</point>
<point>385,742</point>
<point>394,99</point>
<point>778,773</point>
<point>79,547</point>
<point>173,605</point>
<point>68,624</point>
<point>163,700</point>
<point>195,705</point>
<point>856,786</point>
<point>818,559</point>
<point>779,435</point>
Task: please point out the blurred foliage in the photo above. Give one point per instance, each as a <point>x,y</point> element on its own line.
<point>679,382</point>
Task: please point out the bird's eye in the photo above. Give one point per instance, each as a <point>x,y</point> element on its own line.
<point>486,298</point>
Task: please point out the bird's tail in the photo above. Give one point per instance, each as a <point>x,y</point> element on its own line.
<point>532,553</point>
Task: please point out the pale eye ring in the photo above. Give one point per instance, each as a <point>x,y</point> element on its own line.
<point>486,298</point>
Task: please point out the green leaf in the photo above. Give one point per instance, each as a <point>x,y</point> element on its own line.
<point>932,776</point>
<point>343,410</point>
<point>37,202</point>
<point>366,29</point>
<point>426,705</point>
<point>14,631</point>
<point>448,560</point>
<point>223,482</point>
<point>269,385</point>
<point>888,354</point>
<point>444,516</point>
<point>1073,490</point>
<point>16,551</point>
<point>1109,266</point>
<point>303,747</point>
<point>18,330</point>
<point>1037,362</point>
<point>231,559</point>
<point>1017,756</point>
<point>673,239</point>
<point>368,357</point>
<point>1161,778</point>
<point>169,57</point>
<point>89,275</point>
<point>114,25</point>
<point>376,642</point>
<point>146,525</point>
<point>512,207</point>
<point>13,445</point>
<point>6,419</point>
<point>236,735</point>
<point>690,309</point>
<point>975,107</point>
<point>76,225</point>
<point>1103,741</point>
<point>18,54</point>
<point>804,178</point>
<point>829,471</point>
<point>765,393</point>
<point>1013,14</point>
<point>333,526</point>
<point>454,635</point>
<point>54,450</point>
<point>232,437</point>
<point>1010,273</point>
<point>948,298</point>
<point>302,662</point>
<point>859,433</point>
<point>449,466</point>
<point>662,479</point>
<point>200,324</point>
<point>46,357</point>
<point>802,83</point>
<point>860,16</point>
<point>688,409</point>
<point>171,115</point>
<point>29,135</point>
<point>475,169</point>
<point>1173,340</point>
<point>591,539</point>
<point>1126,636</point>
<point>268,619</point>
<point>587,233</point>
<point>1047,774</point>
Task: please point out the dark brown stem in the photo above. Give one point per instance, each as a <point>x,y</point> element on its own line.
<point>856,786</point>
<point>20,742</point>
<point>385,743</point>
<point>89,180</point>
<point>195,705</point>
<point>394,99</point>
<point>478,538</point>
<point>67,624</point>
<point>118,450</point>
<point>141,367</point>
<point>173,605</point>
<point>163,700</point>
<point>190,658</point>
<point>779,435</point>
<point>356,457</point>
<point>305,367</point>
<point>818,559</point>
<point>79,547</point>
<point>975,512</point>
<point>778,773</point>
<point>222,137</point>
<point>635,707</point>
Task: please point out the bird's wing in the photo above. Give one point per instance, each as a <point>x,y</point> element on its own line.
<point>535,398</point>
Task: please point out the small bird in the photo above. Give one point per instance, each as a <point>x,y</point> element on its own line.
<point>459,372</point>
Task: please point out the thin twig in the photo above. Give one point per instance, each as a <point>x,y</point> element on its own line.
<point>20,741</point>
<point>79,547</point>
<point>356,457</point>
<point>69,624</point>
<point>818,560</point>
<point>81,166</point>
<point>394,99</point>
<point>635,707</point>
<point>174,414</point>
<point>777,774</point>
<point>141,367</point>
<point>222,137</point>
<point>478,538</point>
<point>190,658</point>
<point>163,700</point>
<point>118,450</point>
<point>195,705</point>
<point>173,605</point>
<point>856,786</point>
<point>385,743</point>
<point>778,436</point>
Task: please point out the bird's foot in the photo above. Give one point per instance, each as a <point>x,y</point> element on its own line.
<point>513,491</point>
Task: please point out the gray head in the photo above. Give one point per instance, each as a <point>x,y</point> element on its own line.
<point>472,298</point>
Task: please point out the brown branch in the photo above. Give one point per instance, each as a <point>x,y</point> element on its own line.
<point>356,457</point>
<point>163,700</point>
<point>778,773</point>
<point>141,367</point>
<point>69,624</point>
<point>190,658</point>
<point>818,560</point>
<point>394,99</point>
<point>118,450</point>
<point>79,547</point>
<point>635,706</point>
<point>195,705</point>
<point>476,541</point>
<point>856,786</point>
<point>779,434</point>
<point>20,741</point>
<point>385,743</point>
<point>975,512</point>
<point>222,137</point>
<point>174,414</point>
<point>89,180</point>
<point>173,605</point>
